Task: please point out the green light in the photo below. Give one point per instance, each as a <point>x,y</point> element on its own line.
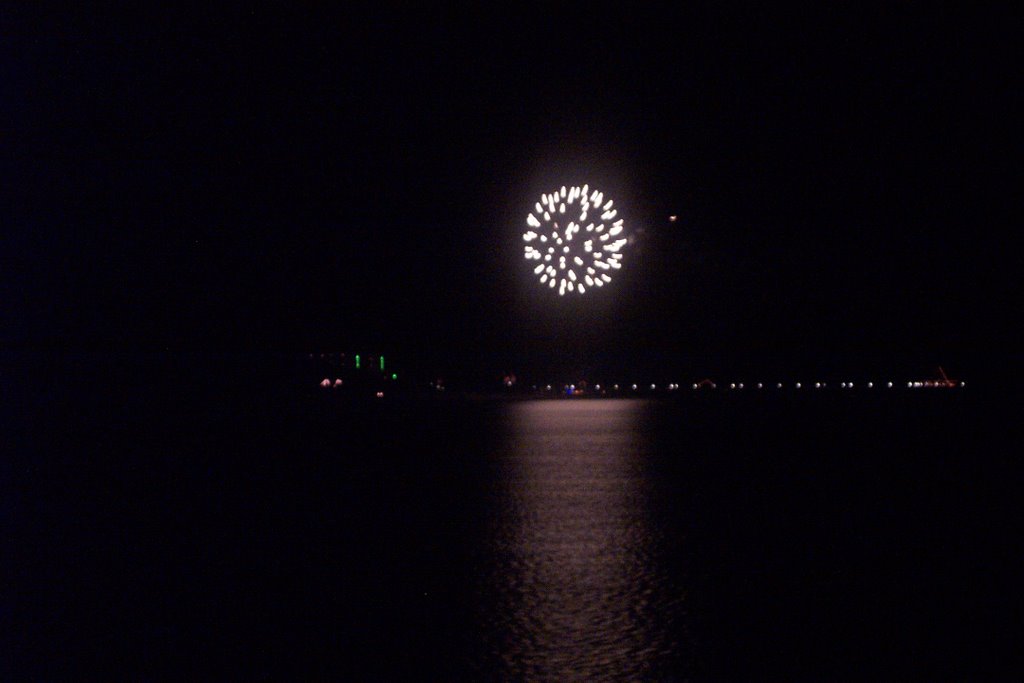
<point>394,376</point>
<point>382,363</point>
<point>357,361</point>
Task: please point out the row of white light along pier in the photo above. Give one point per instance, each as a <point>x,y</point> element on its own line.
<point>707,385</point>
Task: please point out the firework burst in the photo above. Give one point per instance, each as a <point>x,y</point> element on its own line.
<point>575,239</point>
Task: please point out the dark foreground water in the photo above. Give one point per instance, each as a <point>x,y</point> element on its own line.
<point>301,538</point>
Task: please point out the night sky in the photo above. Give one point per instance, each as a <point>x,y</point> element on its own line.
<point>270,179</point>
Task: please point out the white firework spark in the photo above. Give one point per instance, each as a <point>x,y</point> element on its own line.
<point>556,219</point>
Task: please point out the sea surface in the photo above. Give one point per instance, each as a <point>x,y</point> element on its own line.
<point>211,535</point>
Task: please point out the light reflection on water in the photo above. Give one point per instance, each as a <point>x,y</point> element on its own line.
<point>576,589</point>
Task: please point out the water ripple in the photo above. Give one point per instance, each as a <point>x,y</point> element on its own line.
<point>575,591</point>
